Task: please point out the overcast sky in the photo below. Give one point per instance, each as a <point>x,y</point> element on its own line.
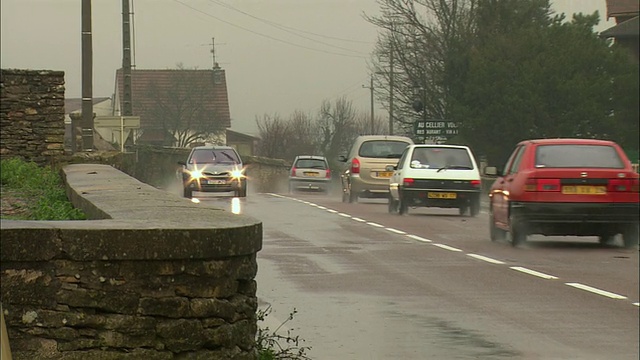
<point>279,55</point>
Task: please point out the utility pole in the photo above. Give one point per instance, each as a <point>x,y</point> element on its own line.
<point>391,89</point>
<point>424,107</point>
<point>87,78</point>
<point>127,107</point>
<point>370,87</point>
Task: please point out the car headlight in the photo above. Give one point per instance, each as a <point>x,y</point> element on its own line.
<point>237,173</point>
<point>196,174</point>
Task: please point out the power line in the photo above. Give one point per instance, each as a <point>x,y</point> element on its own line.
<point>267,36</point>
<point>291,30</point>
<point>289,27</point>
<point>351,88</point>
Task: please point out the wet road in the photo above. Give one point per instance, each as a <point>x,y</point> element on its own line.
<point>431,285</point>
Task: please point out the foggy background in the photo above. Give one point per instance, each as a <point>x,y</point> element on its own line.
<point>279,55</point>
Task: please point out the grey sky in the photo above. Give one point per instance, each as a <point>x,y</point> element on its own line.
<point>269,70</point>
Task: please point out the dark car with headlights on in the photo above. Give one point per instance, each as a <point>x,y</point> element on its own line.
<point>570,187</point>
<point>213,169</point>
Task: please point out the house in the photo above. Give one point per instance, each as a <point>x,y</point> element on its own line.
<point>625,32</point>
<point>177,106</point>
<point>245,144</point>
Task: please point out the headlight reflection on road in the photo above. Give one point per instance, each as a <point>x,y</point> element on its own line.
<point>235,205</point>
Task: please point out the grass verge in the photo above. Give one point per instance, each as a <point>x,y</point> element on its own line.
<point>31,192</point>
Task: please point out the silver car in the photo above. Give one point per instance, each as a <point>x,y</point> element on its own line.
<point>310,173</point>
<point>213,169</point>
<point>365,173</point>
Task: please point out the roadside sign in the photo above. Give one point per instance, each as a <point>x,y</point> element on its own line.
<point>128,122</point>
<point>435,130</point>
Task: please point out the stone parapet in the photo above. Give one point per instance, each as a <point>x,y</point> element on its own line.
<point>31,114</point>
<point>149,276</point>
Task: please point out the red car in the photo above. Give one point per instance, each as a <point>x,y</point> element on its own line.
<point>581,187</point>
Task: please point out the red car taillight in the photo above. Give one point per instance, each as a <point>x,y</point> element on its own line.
<point>355,166</point>
<point>622,185</point>
<point>328,174</point>
<point>408,182</point>
<point>542,185</point>
<point>476,183</point>
<point>293,171</point>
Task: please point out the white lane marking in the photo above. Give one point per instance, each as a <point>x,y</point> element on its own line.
<point>597,291</point>
<point>487,259</point>
<point>447,247</point>
<point>416,237</point>
<point>534,273</point>
<point>374,224</point>
<point>396,231</point>
<point>479,257</point>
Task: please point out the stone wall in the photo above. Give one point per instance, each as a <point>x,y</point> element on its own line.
<point>31,114</point>
<point>150,276</point>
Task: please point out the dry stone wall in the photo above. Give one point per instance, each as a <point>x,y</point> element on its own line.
<point>149,276</point>
<point>31,114</point>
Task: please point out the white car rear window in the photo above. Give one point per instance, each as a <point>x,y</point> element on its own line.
<point>441,157</point>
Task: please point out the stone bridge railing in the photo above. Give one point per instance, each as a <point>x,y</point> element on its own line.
<point>150,276</point>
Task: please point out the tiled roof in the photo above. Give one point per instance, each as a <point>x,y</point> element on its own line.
<point>628,28</point>
<point>622,7</point>
<point>75,104</point>
<point>210,84</point>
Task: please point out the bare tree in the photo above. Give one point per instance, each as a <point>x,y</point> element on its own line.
<point>183,110</point>
<point>363,125</point>
<point>274,136</point>
<point>329,135</point>
<point>423,37</point>
<point>303,135</point>
<point>336,127</point>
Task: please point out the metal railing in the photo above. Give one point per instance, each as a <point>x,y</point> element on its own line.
<point>636,167</point>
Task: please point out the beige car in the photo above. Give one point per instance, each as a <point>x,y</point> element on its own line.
<point>364,174</point>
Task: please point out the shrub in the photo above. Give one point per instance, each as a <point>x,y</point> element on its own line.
<point>273,346</point>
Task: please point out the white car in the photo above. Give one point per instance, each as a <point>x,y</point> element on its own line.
<point>430,175</point>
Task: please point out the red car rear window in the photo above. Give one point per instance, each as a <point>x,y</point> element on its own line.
<point>578,156</point>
